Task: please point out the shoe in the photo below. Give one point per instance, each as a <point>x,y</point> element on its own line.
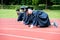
<point>55,24</point>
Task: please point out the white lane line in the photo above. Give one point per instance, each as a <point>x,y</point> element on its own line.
<point>29,30</point>
<point>26,37</point>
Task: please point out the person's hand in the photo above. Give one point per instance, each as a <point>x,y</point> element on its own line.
<point>22,21</point>
<point>31,26</point>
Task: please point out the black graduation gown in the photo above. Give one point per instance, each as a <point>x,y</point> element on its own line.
<point>20,17</point>
<point>40,18</point>
<point>28,19</point>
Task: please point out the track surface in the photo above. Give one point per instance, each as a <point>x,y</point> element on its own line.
<point>10,29</point>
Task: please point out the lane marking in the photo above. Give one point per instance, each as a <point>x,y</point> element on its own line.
<point>29,30</point>
<point>26,37</point>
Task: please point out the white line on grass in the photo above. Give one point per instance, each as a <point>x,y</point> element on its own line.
<point>29,30</point>
<point>26,37</point>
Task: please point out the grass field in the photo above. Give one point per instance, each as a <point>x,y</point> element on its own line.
<point>8,13</point>
<point>53,13</point>
<point>11,13</point>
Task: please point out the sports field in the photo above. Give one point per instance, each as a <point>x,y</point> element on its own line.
<point>10,29</point>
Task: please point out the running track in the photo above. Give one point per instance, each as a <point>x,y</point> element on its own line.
<point>10,29</point>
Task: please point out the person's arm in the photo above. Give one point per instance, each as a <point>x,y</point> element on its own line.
<point>20,17</point>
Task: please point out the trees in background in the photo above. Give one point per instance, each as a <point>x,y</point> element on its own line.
<point>28,2</point>
<point>47,3</point>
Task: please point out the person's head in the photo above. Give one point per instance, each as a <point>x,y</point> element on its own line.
<point>23,8</point>
<point>29,10</point>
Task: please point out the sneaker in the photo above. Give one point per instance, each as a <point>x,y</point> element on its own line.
<point>55,24</point>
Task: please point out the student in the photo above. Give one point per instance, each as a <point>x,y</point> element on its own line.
<point>37,18</point>
<point>40,19</point>
<point>21,14</point>
<point>28,18</point>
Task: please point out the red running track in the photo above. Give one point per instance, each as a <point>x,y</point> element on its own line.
<point>10,29</point>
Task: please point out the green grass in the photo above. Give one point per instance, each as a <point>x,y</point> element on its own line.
<point>11,13</point>
<point>53,13</point>
<point>8,13</point>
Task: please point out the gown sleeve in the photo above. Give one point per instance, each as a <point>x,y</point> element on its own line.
<point>27,19</point>
<point>20,17</point>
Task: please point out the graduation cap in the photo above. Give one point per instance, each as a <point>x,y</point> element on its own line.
<point>30,8</point>
<point>23,7</point>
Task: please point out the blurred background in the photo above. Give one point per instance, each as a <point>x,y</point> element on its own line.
<point>37,4</point>
<point>52,7</point>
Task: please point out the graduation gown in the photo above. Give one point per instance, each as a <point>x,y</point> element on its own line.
<point>40,18</point>
<point>28,19</point>
<point>20,17</point>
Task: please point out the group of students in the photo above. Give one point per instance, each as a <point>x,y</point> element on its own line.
<point>32,17</point>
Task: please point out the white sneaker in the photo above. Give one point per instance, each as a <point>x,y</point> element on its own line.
<point>31,26</point>
<point>54,24</point>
